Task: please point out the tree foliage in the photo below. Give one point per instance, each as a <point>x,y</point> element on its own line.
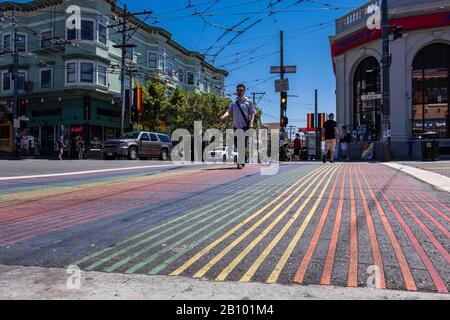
<point>180,109</point>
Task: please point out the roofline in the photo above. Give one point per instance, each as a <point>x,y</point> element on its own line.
<point>39,4</point>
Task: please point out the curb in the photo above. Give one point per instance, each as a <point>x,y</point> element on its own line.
<point>435,179</point>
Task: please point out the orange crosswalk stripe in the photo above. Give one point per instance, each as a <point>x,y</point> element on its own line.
<point>328,269</point>
<point>300,275</point>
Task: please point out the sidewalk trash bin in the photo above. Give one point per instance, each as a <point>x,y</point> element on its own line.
<point>430,146</point>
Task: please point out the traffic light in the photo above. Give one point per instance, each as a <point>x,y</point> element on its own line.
<point>398,32</point>
<point>136,108</point>
<point>22,107</point>
<point>284,121</point>
<point>283,101</point>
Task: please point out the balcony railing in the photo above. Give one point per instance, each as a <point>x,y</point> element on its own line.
<point>355,18</point>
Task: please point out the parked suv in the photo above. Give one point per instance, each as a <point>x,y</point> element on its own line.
<point>138,145</point>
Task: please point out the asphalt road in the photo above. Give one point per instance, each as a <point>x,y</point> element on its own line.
<point>348,225</point>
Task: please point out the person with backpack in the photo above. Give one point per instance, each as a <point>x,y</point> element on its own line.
<point>243,112</point>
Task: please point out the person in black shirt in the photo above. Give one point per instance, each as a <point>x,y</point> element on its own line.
<point>330,136</point>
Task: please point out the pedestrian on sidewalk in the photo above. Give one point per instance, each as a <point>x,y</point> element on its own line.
<point>61,147</point>
<point>297,147</point>
<point>243,112</point>
<point>81,148</point>
<point>330,135</point>
<point>346,139</point>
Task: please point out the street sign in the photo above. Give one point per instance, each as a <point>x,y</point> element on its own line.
<point>282,85</point>
<point>287,69</point>
<point>371,97</point>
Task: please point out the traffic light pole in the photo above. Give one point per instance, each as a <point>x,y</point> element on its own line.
<point>386,109</point>
<point>15,75</point>
<point>282,111</point>
<point>124,47</point>
<point>122,73</point>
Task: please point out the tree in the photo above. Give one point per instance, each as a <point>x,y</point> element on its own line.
<point>155,104</point>
<point>180,109</point>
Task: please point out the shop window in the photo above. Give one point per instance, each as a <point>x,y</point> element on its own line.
<point>367,112</point>
<point>6,81</point>
<point>431,83</point>
<point>5,132</point>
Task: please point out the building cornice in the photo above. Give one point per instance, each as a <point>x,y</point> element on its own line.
<point>41,4</point>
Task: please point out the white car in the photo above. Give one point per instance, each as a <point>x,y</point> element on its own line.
<point>221,155</point>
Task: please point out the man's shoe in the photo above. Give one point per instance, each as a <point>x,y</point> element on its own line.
<point>324,158</point>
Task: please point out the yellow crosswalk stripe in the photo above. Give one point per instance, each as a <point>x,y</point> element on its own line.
<point>224,274</point>
<point>284,258</point>
<point>205,250</point>
<point>222,254</point>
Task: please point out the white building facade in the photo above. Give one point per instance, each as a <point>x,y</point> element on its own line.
<point>419,75</point>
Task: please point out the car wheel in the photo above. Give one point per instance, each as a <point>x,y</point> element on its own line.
<point>164,155</point>
<point>132,154</point>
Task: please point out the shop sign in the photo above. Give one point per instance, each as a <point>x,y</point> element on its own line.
<point>76,129</point>
<point>371,97</point>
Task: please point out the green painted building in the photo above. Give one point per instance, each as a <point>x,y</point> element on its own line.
<point>73,89</point>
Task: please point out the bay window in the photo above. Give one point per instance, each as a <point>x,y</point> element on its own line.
<point>87,72</point>
<point>152,60</point>
<point>71,70</point>
<point>102,34</point>
<point>101,75</point>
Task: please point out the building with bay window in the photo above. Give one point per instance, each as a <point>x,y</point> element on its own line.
<point>419,74</point>
<point>74,89</point>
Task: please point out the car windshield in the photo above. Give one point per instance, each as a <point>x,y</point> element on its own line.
<point>130,135</point>
<point>164,138</point>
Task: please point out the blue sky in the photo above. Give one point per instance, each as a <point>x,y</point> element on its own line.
<point>307,25</point>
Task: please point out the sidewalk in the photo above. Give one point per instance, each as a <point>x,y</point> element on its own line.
<point>437,173</point>
<point>39,283</point>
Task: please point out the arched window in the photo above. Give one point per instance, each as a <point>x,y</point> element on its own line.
<point>367,110</point>
<point>431,85</point>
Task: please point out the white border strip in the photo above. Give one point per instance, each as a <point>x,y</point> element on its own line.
<point>437,180</point>
<point>87,172</point>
